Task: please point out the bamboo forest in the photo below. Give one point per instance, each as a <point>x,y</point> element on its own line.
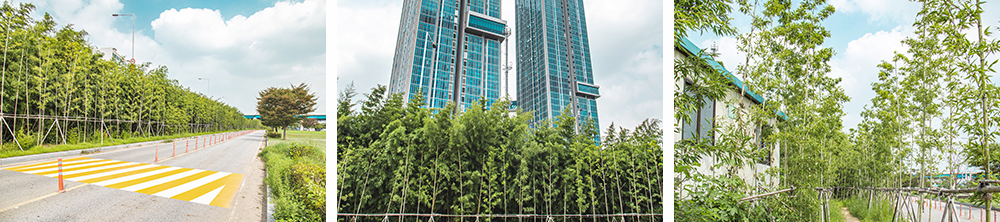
<point>788,157</point>
<point>57,89</point>
<point>401,162</point>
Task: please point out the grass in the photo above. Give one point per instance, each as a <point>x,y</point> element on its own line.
<point>315,138</point>
<point>881,211</point>
<point>835,215</point>
<point>296,172</point>
<point>10,149</point>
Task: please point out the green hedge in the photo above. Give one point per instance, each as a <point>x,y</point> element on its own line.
<point>296,173</point>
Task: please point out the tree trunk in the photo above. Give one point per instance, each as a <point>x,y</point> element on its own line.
<point>284,131</point>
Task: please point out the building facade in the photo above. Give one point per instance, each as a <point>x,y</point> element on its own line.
<point>111,54</point>
<point>553,61</point>
<point>721,114</point>
<point>449,51</point>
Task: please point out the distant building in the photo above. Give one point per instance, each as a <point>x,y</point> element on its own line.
<point>449,51</point>
<point>512,111</point>
<point>720,113</point>
<point>111,54</point>
<point>553,61</point>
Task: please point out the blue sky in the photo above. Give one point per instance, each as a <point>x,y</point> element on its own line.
<point>239,47</point>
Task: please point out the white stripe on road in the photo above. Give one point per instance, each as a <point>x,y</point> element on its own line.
<point>87,177</point>
<point>208,197</point>
<point>137,176</point>
<point>191,185</point>
<point>43,168</point>
<point>68,168</point>
<point>155,182</point>
<point>71,172</point>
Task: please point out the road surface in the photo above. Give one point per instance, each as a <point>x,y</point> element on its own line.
<point>935,208</point>
<point>218,182</point>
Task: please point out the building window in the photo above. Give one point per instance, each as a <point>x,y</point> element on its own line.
<point>701,122</point>
<point>764,148</point>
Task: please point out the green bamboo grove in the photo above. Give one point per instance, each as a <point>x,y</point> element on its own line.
<point>407,159</point>
<point>934,111</point>
<point>56,89</point>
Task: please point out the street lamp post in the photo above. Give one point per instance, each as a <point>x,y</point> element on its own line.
<point>209,84</point>
<point>133,32</point>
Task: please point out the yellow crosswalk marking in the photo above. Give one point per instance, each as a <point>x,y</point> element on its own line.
<point>103,171</point>
<point>168,185</point>
<point>202,190</point>
<point>108,177</point>
<point>229,190</point>
<point>66,171</point>
<point>55,164</point>
<point>42,164</point>
<point>147,178</point>
<point>192,185</point>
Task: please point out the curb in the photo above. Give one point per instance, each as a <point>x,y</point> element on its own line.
<point>269,210</point>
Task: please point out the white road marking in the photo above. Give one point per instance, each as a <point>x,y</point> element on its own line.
<point>208,197</point>
<point>87,177</point>
<point>155,182</point>
<point>137,176</point>
<point>191,185</point>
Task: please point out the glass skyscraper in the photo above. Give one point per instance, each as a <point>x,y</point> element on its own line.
<point>449,50</point>
<point>553,61</point>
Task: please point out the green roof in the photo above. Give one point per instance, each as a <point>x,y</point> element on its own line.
<point>691,49</point>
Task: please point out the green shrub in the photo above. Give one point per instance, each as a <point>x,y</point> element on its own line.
<point>271,134</point>
<point>299,150</point>
<point>835,215</point>
<point>26,139</point>
<point>298,183</point>
<point>310,186</point>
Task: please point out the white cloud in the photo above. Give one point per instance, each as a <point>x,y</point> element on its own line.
<point>863,54</point>
<point>367,41</point>
<point>857,67</point>
<point>627,59</point>
<point>639,96</point>
<point>276,46</point>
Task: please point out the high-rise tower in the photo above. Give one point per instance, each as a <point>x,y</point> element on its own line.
<point>449,50</point>
<point>553,60</point>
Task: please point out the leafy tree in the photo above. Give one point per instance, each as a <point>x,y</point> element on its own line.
<point>281,107</point>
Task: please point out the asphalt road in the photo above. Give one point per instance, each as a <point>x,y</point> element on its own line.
<point>31,197</point>
<point>933,210</point>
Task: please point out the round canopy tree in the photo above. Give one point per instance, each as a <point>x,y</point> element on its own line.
<point>280,107</point>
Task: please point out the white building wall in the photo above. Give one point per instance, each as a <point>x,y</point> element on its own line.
<point>726,111</point>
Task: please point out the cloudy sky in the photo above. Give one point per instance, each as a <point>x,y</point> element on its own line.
<point>240,47</point>
<point>626,42</point>
<point>863,33</point>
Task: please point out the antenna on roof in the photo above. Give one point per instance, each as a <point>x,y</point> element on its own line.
<point>714,49</point>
